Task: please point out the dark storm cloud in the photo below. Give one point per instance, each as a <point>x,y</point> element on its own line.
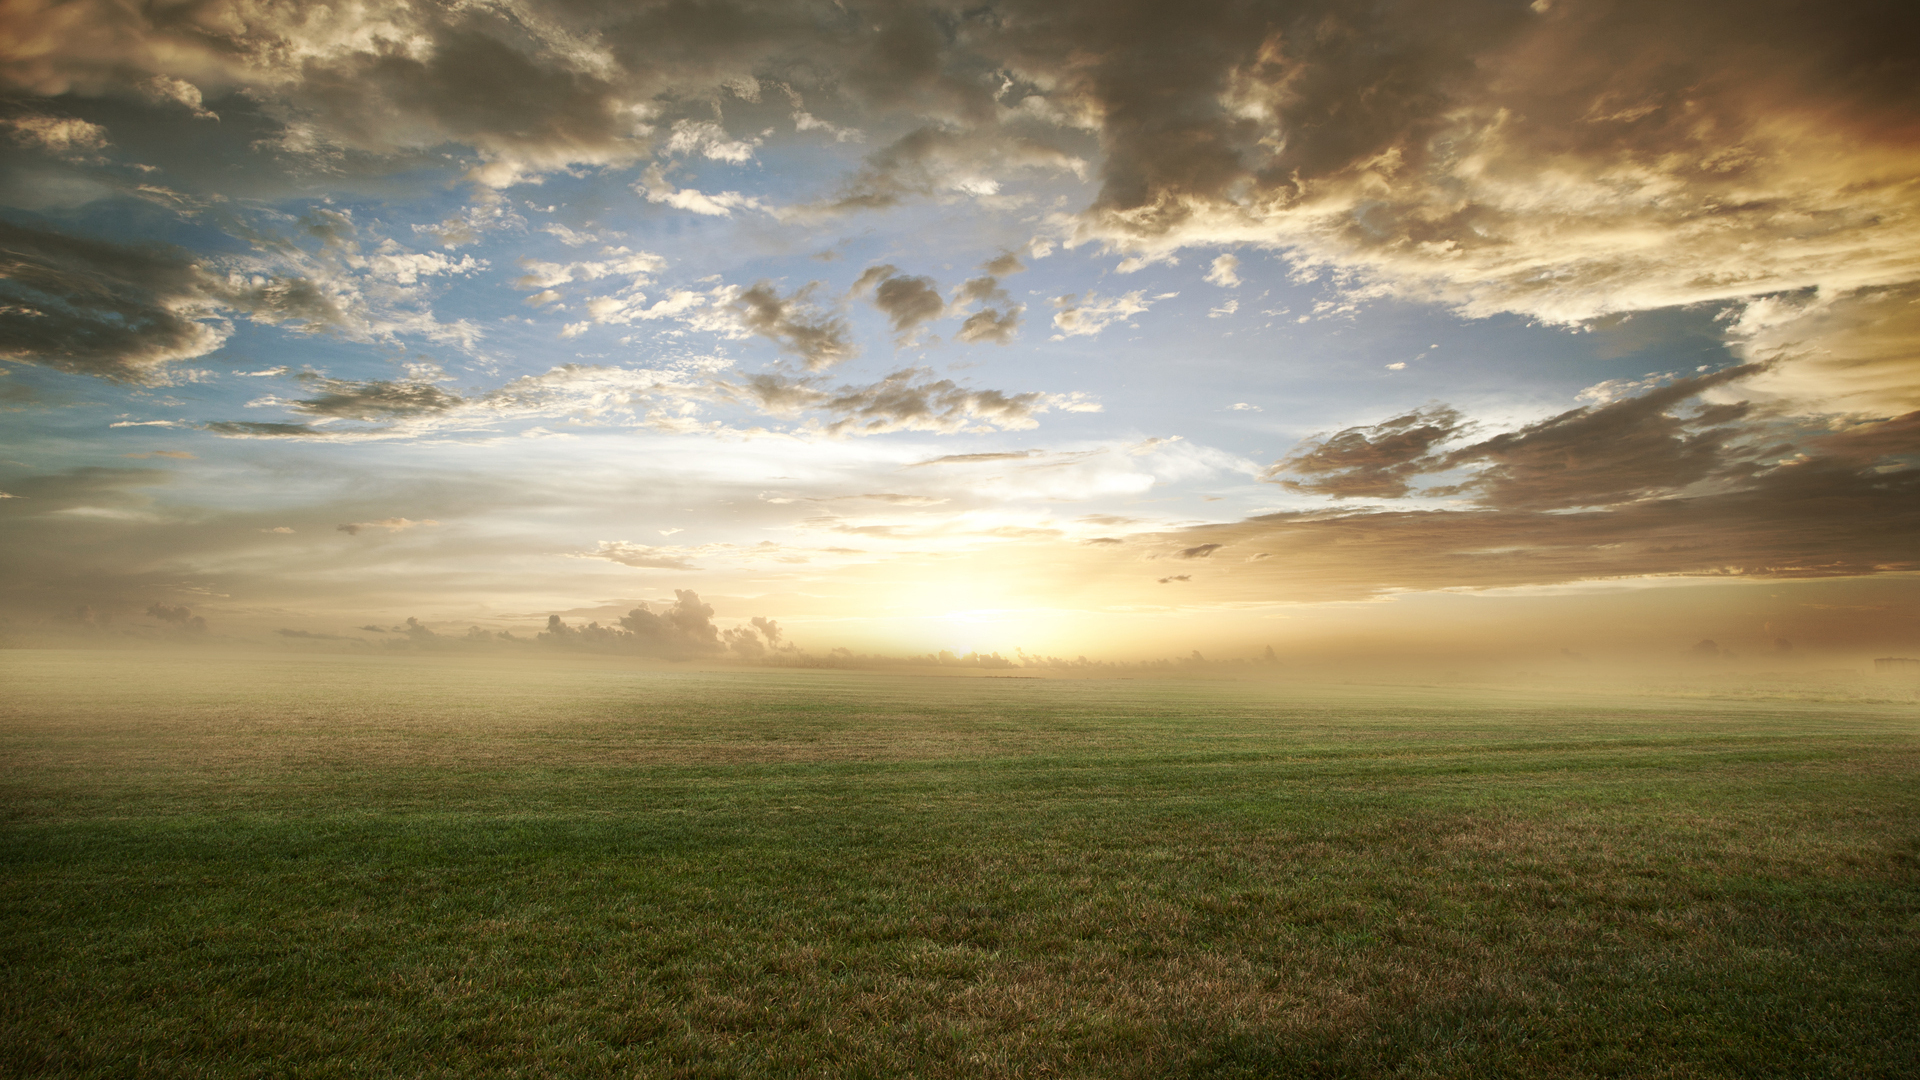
<point>908,301</point>
<point>123,312</point>
<point>820,340</point>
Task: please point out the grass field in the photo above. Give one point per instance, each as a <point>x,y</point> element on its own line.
<point>331,866</point>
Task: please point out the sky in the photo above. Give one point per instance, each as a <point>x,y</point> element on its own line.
<point>1067,329</point>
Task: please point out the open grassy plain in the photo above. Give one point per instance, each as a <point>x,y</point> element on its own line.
<point>329,866</point>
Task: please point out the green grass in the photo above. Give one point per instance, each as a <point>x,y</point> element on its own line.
<point>328,866</point>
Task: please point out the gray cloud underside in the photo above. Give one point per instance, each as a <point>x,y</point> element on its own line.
<point>1656,484</point>
<point>1824,517</point>
<point>123,312</point>
<point>908,301</point>
<point>911,399</point>
<point>820,340</point>
<point>907,400</point>
<point>1595,456</point>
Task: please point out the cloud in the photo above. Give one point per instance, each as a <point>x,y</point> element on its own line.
<point>568,236</point>
<point>1844,351</point>
<point>757,638</point>
<point>122,312</point>
<point>63,136</point>
<point>1560,162</point>
<point>254,429</point>
<point>1630,449</point>
<point>90,487</point>
<point>669,397</point>
<point>806,121</point>
<point>374,400</point>
<point>1003,264</point>
<point>1225,271</point>
<point>165,88</point>
<point>990,324</point>
<point>975,459</point>
<point>1176,577</point>
<point>946,158</point>
<point>182,617</point>
<point>1598,455</point>
<point>658,189</point>
<point>644,556</point>
<point>907,301</point>
<point>891,499</point>
<point>908,400</point>
<point>1820,517</point>
<point>392,525</point>
<point>625,308</point>
<point>820,340</point>
<point>1200,551</point>
<point>1371,462</point>
<point>996,323</point>
<point>681,629</point>
<point>617,260</point>
<point>1084,318</point>
<point>1661,483</point>
<point>709,140</point>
